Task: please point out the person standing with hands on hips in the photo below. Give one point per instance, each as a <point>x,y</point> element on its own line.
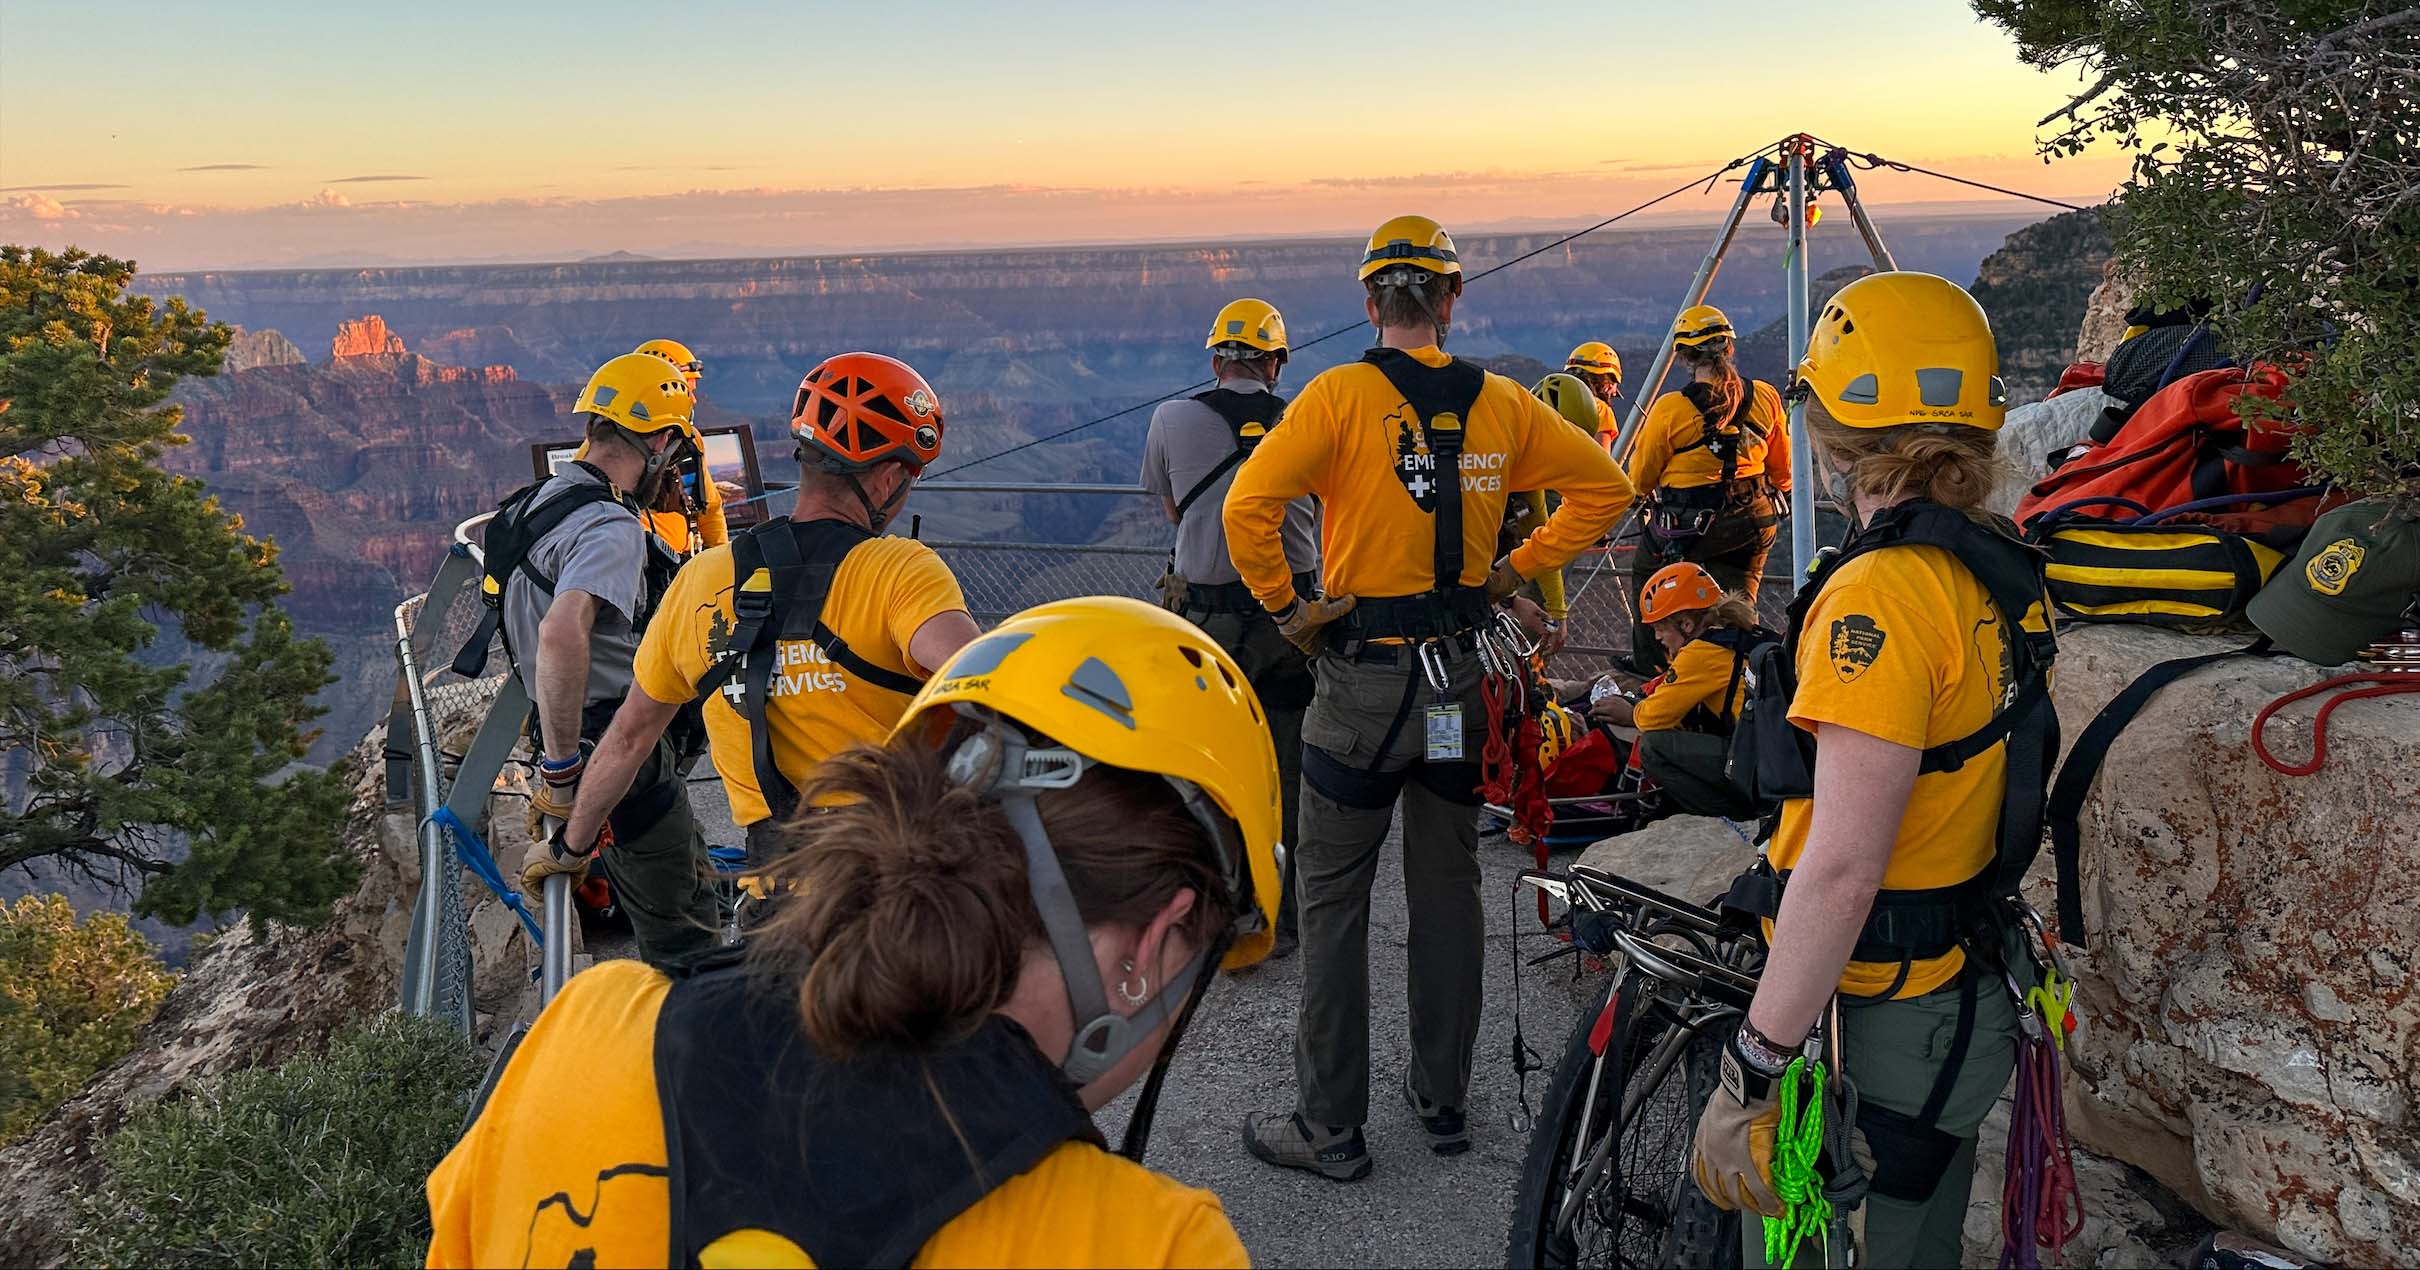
<point>1924,637</point>
<point>1412,454</point>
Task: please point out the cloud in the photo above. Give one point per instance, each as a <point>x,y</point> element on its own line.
<point>87,185</point>
<point>325,199</point>
<point>227,167</point>
<point>38,207</point>
<point>384,176</point>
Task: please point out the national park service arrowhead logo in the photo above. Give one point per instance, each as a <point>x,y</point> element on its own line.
<point>2334,567</point>
<point>1415,466</point>
<point>1856,642</point>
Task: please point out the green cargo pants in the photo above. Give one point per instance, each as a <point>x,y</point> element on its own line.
<point>1281,677</point>
<point>1895,1051</point>
<point>658,864</point>
<point>1688,766</point>
<point>1354,775</point>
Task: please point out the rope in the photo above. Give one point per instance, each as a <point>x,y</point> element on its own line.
<point>2383,684</point>
<point>2039,1205</point>
<point>1355,324</point>
<point>1871,161</point>
<point>474,854</point>
<point>1797,1141</point>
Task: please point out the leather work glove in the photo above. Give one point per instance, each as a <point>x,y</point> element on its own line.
<point>1733,1160</point>
<point>553,792</point>
<point>1502,580</point>
<point>1301,621</point>
<point>546,858</point>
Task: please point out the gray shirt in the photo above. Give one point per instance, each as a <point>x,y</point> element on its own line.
<point>1187,440</point>
<point>601,550</point>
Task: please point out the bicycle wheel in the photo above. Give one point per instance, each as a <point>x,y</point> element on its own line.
<point>1636,1204</point>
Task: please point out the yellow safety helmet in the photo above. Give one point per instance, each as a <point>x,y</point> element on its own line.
<point>642,393</point>
<point>1699,323</point>
<point>1570,398</point>
<point>1894,348</point>
<point>1106,679</point>
<point>679,355</point>
<point>1254,324</point>
<point>1416,241</point>
<point>1597,358</point>
<point>1557,730</point>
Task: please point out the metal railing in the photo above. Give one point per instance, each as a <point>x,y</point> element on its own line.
<point>999,578</point>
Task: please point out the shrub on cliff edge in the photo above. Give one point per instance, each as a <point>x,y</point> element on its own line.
<point>2277,174</point>
<point>319,1162</point>
<point>72,997</point>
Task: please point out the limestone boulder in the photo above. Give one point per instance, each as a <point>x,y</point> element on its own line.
<point>2250,1026</point>
<point>2105,315</point>
<point>2037,430</point>
<point>1692,857</point>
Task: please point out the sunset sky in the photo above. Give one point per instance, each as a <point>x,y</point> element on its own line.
<point>256,134</point>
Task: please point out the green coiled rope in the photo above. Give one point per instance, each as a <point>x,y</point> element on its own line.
<point>1797,1141</point>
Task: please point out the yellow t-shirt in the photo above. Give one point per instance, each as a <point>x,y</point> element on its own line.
<point>1904,644</point>
<point>1609,425</point>
<point>1699,675</point>
<point>883,592</point>
<point>1341,439</point>
<point>566,1166</point>
<point>1656,458</point>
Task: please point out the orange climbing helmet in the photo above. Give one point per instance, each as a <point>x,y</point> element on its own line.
<point>1678,588</point>
<point>857,410</point>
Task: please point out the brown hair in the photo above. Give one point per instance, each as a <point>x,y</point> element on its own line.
<point>1951,464</point>
<point>1728,387</point>
<point>1401,306</point>
<point>906,918</point>
<point>1733,611</point>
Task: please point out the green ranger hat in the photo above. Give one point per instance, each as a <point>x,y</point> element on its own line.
<point>2356,574</point>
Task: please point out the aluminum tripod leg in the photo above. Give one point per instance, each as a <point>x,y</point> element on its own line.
<point>1698,286</point>
<point>1802,458</point>
<point>1836,169</point>
<point>554,960</point>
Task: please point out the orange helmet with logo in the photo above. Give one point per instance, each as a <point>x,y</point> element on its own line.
<point>857,410</point>
<point>1678,588</point>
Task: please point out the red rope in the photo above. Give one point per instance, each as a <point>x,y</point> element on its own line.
<point>2384,684</point>
<point>1495,752</point>
<point>2039,1204</point>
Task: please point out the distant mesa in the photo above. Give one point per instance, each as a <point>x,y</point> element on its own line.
<point>254,350</point>
<point>612,256</point>
<point>365,337</point>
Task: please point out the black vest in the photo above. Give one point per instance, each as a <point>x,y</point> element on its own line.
<point>855,1162</point>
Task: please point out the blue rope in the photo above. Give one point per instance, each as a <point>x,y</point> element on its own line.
<point>473,850</point>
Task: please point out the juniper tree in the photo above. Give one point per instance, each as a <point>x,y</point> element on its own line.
<point>121,761</point>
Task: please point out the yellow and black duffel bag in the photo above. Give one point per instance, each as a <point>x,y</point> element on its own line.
<point>2161,568</point>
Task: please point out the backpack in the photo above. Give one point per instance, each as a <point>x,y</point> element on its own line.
<point>1743,645</point>
<point>1770,759</point>
<point>520,522</point>
<point>2196,564</point>
<point>2184,445</point>
<point>1249,416</point>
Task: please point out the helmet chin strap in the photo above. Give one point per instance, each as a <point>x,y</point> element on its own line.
<point>877,518</point>
<point>998,759</point>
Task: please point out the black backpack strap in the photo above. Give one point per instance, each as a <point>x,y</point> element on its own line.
<point>2084,763</point>
<point>1442,396</point>
<point>1249,417</point>
<point>782,575</point>
<point>1741,428</point>
<point>524,525</point>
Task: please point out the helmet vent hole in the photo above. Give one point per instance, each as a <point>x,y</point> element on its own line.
<point>1193,655</point>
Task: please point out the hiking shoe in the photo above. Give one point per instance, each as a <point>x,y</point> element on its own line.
<point>1287,941</point>
<point>1288,1141</point>
<point>1448,1132</point>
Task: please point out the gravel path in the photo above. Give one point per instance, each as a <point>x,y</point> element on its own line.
<point>1415,1208</point>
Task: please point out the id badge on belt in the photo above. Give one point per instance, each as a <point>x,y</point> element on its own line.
<point>1443,718</point>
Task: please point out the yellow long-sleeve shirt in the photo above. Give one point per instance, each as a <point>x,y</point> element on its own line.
<point>1700,673</point>
<point>1657,457</point>
<point>1340,440</point>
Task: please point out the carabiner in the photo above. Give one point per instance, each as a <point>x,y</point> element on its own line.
<point>1515,638</point>
<point>1432,666</point>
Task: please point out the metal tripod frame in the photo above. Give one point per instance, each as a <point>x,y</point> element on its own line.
<point>1794,174</point>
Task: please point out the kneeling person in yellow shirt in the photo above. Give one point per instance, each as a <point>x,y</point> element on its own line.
<point>1685,724</point>
<point>1004,921</point>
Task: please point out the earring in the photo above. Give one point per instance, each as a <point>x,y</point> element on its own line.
<point>1137,995</point>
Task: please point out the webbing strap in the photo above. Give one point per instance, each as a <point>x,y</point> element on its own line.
<point>517,528</point>
<point>1442,396</point>
<point>1742,426</point>
<point>1249,416</point>
<point>2084,763</point>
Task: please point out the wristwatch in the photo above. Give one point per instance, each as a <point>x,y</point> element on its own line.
<point>1750,1066</point>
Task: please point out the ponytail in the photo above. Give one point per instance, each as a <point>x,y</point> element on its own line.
<point>1950,464</point>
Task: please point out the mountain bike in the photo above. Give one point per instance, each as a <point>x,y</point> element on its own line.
<point>1607,1180</point>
